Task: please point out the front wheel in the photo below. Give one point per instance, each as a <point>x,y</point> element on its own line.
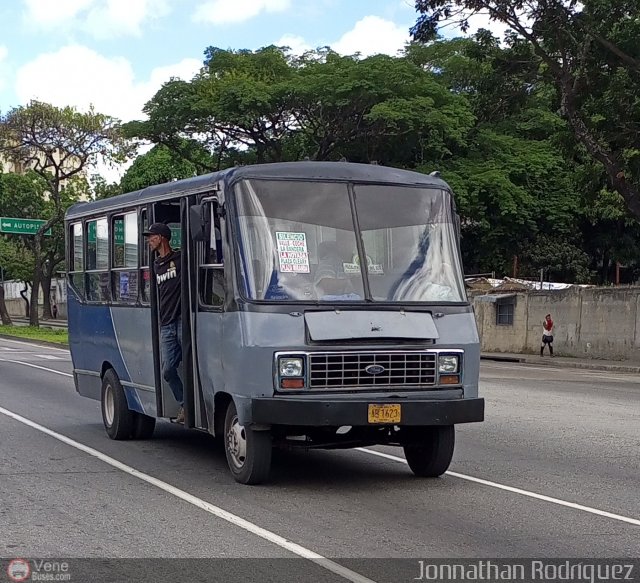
<point>248,452</point>
<point>431,454</point>
<point>118,419</point>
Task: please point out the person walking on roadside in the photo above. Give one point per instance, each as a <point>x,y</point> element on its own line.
<point>547,335</point>
<point>168,269</point>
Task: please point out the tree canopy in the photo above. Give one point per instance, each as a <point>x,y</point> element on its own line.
<point>589,52</point>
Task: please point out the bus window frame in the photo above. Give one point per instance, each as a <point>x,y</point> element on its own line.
<point>71,258</point>
<point>143,252</point>
<point>118,270</point>
<point>201,251</point>
<point>88,272</point>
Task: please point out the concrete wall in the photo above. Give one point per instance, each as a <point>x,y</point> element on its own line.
<point>16,305</point>
<point>17,309</point>
<point>592,322</point>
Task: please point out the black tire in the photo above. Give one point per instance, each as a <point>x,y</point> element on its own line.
<point>431,456</point>
<point>116,415</point>
<point>143,426</point>
<point>248,452</point>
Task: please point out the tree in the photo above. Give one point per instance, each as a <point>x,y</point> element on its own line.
<point>589,50</point>
<point>100,188</point>
<point>265,106</point>
<point>17,263</point>
<point>512,181</point>
<point>157,166</point>
<point>380,108</point>
<point>20,196</point>
<point>58,144</point>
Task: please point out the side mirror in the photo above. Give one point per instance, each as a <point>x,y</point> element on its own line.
<point>197,222</point>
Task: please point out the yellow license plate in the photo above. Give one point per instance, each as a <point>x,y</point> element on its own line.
<point>384,413</point>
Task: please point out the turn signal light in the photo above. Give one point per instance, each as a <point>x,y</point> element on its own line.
<point>449,379</point>
<point>292,383</point>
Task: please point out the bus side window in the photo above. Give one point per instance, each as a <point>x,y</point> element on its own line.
<point>212,287</point>
<point>124,258</point>
<point>211,268</point>
<point>76,258</point>
<point>97,261</point>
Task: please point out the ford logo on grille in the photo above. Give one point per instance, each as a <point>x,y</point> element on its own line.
<point>375,369</point>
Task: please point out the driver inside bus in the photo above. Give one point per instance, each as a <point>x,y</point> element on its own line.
<point>168,270</point>
<point>330,281</point>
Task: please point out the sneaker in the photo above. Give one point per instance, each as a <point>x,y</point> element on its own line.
<point>180,417</point>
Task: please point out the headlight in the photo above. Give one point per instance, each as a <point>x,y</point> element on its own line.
<point>448,364</point>
<point>290,367</point>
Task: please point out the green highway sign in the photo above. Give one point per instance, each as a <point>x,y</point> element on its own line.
<point>21,226</point>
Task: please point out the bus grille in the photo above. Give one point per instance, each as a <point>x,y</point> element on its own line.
<point>337,370</point>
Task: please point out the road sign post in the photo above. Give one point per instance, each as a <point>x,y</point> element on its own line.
<point>15,226</point>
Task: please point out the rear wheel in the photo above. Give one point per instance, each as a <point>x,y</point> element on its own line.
<point>430,455</point>
<point>248,452</point>
<point>143,426</point>
<point>118,419</point>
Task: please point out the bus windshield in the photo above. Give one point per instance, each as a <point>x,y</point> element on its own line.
<point>298,242</point>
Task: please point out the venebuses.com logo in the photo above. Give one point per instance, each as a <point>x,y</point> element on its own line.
<point>20,570</point>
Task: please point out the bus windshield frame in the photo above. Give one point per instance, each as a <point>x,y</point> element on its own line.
<point>303,241</point>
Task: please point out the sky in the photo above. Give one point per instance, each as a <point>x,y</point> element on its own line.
<point>115,54</point>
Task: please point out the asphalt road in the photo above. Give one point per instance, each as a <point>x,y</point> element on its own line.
<point>553,472</point>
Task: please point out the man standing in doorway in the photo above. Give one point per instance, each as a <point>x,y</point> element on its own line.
<point>547,334</point>
<point>168,277</point>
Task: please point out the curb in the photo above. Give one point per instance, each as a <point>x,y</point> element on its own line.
<point>563,364</point>
<point>500,358</point>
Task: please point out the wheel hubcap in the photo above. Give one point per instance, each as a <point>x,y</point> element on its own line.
<point>109,405</point>
<point>237,443</point>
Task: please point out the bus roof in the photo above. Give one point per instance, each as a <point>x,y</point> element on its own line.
<point>339,171</point>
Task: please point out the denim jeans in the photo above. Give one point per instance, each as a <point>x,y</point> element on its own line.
<point>171,351</point>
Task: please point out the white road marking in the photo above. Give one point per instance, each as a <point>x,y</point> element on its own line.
<point>282,542</point>
<point>49,357</point>
<point>64,374</point>
<point>542,497</point>
<point>39,346</point>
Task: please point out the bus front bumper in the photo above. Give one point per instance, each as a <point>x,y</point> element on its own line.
<point>339,412</point>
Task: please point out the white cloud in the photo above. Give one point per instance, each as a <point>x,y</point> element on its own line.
<point>100,18</point>
<point>50,14</point>
<point>370,36</point>
<point>373,35</point>
<point>78,76</point>
<point>120,17</point>
<point>297,44</point>
<point>233,11</point>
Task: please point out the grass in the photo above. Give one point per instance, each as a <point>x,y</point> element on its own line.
<point>59,336</point>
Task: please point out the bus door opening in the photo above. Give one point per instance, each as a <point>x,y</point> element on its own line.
<point>170,214</point>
